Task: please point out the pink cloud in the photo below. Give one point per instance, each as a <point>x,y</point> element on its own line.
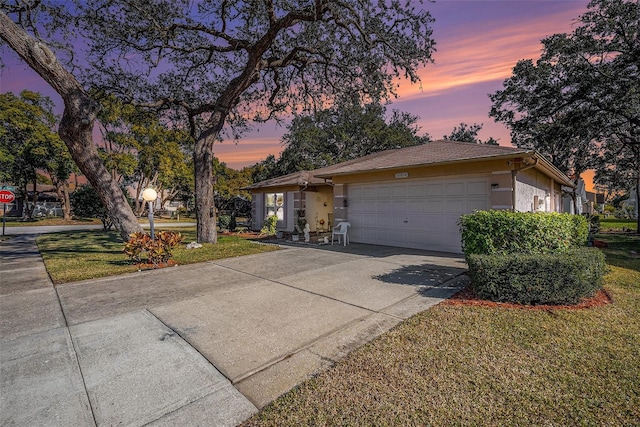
<point>487,51</point>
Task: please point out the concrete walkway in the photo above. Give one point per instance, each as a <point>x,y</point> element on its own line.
<point>204,344</point>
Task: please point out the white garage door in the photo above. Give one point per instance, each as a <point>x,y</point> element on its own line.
<point>420,214</point>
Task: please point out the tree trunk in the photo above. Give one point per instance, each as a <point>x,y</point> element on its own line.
<point>638,204</point>
<point>34,201</point>
<point>205,207</point>
<point>62,190</point>
<point>77,122</point>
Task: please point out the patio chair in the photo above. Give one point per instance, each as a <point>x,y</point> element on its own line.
<point>342,229</point>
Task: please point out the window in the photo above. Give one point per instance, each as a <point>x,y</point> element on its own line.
<point>274,205</point>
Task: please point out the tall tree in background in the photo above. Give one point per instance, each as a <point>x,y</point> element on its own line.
<point>216,65</point>
<point>229,183</point>
<point>466,133</point>
<point>28,143</point>
<point>141,151</point>
<point>346,131</point>
<point>580,102</point>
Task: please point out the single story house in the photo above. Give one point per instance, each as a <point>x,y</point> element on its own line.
<point>412,197</point>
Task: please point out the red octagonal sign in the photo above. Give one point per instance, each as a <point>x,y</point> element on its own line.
<point>6,196</point>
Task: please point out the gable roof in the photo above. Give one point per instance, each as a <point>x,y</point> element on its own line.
<point>432,153</point>
<point>435,152</point>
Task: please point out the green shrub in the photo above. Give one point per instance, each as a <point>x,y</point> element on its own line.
<point>158,250</point>
<point>224,221</point>
<point>86,203</point>
<point>269,226</point>
<point>538,279</point>
<point>504,232</point>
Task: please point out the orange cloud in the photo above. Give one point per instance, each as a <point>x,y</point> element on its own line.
<point>248,151</point>
<point>477,56</point>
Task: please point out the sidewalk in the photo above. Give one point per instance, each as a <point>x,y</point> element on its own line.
<point>203,344</point>
<point>55,375</point>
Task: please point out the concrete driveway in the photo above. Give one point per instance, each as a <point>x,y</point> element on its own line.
<point>204,344</point>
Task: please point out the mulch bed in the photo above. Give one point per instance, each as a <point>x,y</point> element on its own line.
<point>247,235</point>
<point>467,297</point>
<point>150,266</point>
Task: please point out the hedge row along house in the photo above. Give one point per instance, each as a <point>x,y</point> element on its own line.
<point>412,197</point>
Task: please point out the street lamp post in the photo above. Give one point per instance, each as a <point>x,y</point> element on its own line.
<point>149,195</point>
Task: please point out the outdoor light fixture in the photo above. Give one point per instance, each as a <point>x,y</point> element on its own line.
<point>149,195</point>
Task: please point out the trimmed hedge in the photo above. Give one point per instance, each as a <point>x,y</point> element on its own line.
<point>538,279</point>
<point>504,232</point>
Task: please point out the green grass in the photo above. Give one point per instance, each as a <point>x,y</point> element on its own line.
<point>623,249</point>
<point>615,224</point>
<point>79,255</point>
<point>461,365</point>
<point>16,222</point>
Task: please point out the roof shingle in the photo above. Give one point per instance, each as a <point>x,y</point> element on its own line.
<point>433,152</point>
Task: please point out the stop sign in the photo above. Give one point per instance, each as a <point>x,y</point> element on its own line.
<point>6,196</point>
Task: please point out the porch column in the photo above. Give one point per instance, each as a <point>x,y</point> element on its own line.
<point>340,203</point>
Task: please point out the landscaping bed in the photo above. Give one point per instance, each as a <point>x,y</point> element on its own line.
<point>468,297</point>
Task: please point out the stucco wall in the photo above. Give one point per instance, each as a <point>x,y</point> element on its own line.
<point>319,204</point>
<point>529,184</point>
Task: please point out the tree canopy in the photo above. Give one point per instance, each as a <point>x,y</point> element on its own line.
<point>468,133</point>
<point>579,103</point>
<point>346,131</point>
<point>216,65</point>
<point>29,143</point>
<point>141,150</point>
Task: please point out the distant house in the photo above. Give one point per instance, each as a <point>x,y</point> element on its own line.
<point>631,204</point>
<point>412,197</point>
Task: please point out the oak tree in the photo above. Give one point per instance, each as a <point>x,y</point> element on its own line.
<point>80,110</point>
<point>580,102</point>
<point>217,65</point>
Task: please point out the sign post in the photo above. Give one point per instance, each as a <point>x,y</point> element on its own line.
<point>6,196</point>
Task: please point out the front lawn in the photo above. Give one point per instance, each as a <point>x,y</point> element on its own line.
<point>464,365</point>
<point>616,224</point>
<point>41,222</point>
<point>80,255</point>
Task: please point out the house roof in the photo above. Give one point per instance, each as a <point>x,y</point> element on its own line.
<point>300,178</point>
<point>438,152</point>
<point>432,153</point>
<point>425,154</point>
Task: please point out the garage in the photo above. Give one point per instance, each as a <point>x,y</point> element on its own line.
<point>420,214</point>
<point>413,197</point>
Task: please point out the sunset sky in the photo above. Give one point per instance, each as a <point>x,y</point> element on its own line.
<point>478,43</point>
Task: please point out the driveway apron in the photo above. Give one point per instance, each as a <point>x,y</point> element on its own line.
<point>202,344</point>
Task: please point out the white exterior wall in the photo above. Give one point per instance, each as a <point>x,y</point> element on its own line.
<point>531,184</point>
<point>420,213</point>
<point>257,208</point>
<point>289,217</point>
